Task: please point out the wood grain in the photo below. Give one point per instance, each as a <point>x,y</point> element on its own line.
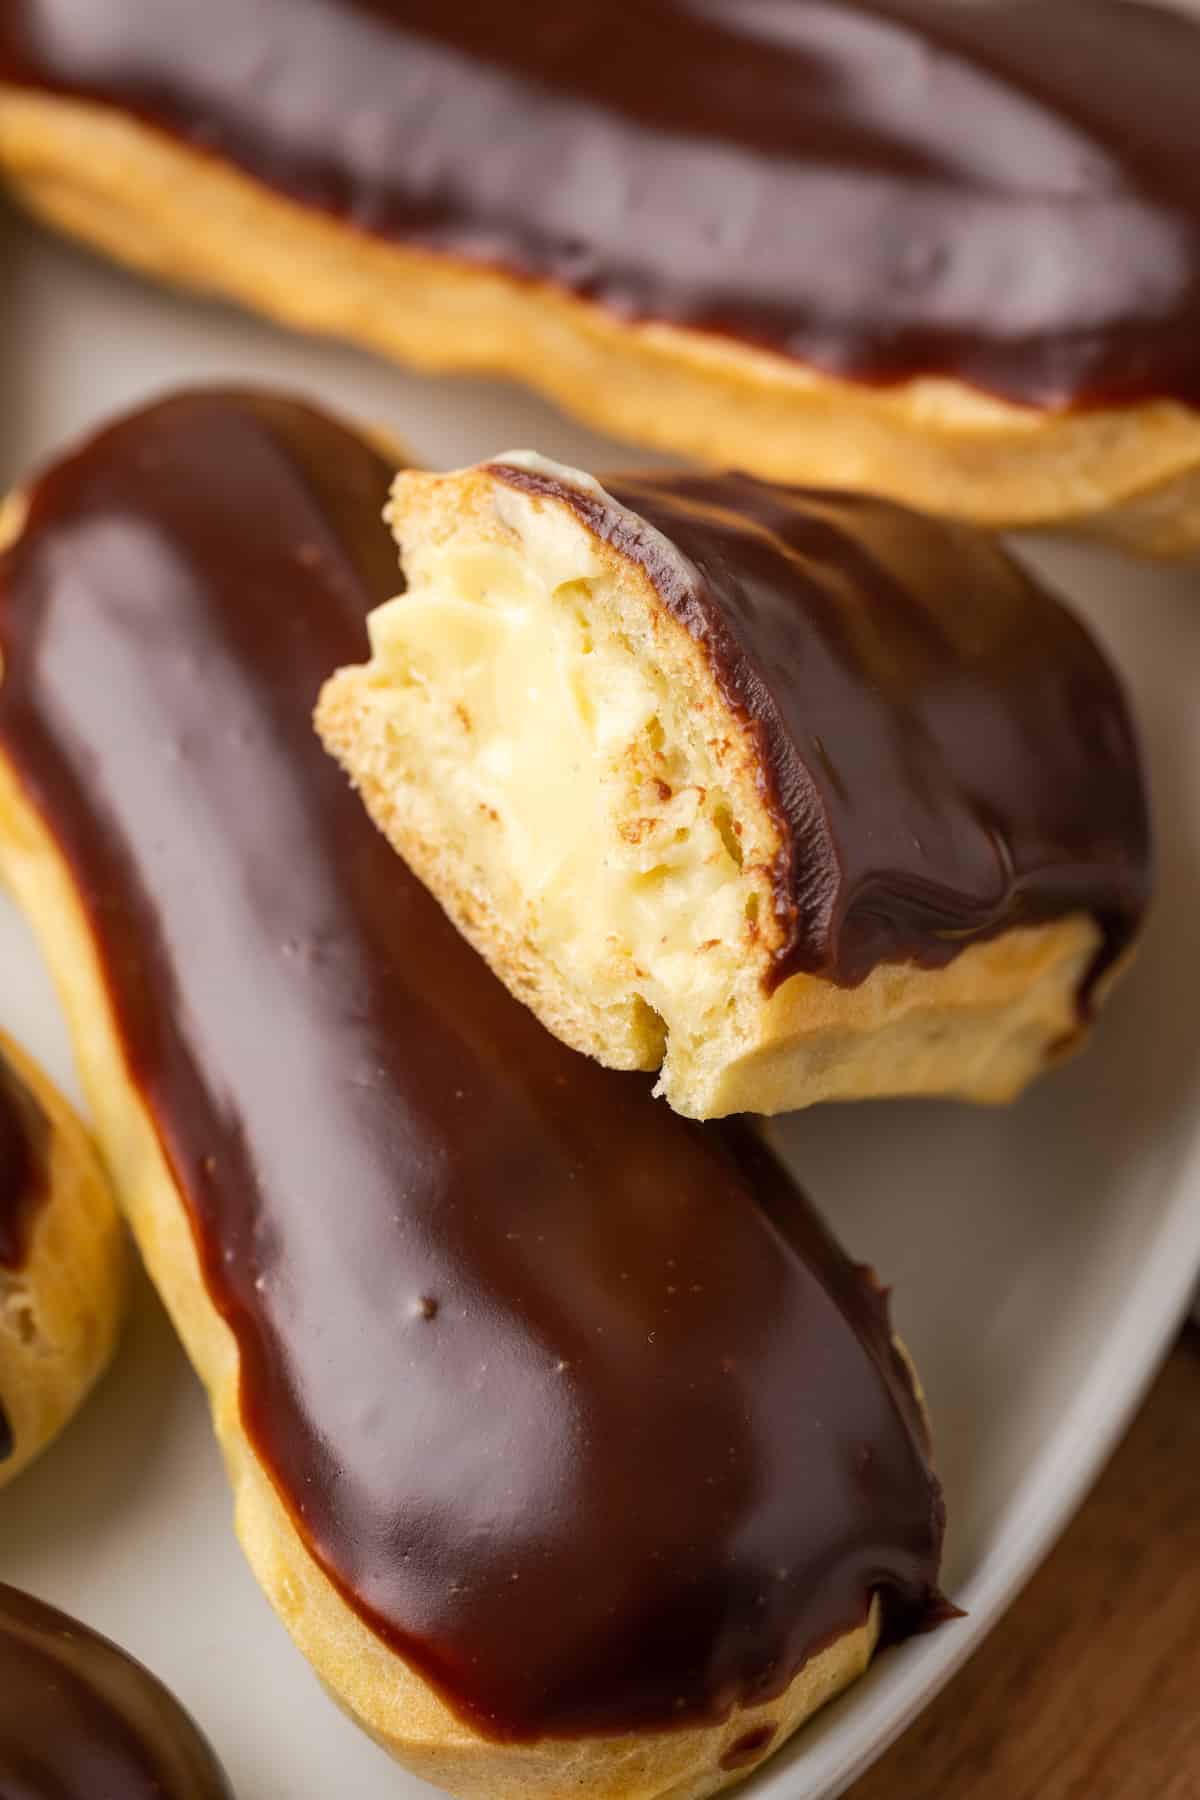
<point>1089,1688</point>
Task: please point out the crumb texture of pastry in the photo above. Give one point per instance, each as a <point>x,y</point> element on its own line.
<point>975,287</point>
<point>63,1263</point>
<point>82,1720</point>
<point>546,1412</point>
<point>798,795</point>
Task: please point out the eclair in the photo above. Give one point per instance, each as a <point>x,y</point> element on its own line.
<point>946,253</point>
<point>546,1412</point>
<point>63,1263</point>
<point>793,795</point>
<point>82,1720</point>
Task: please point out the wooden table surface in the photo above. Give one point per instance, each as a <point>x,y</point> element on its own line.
<point>1089,1688</point>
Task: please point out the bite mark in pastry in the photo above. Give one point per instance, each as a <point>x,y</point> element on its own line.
<point>948,253</point>
<point>81,1720</point>
<point>800,795</point>
<point>62,1263</point>
<point>569,1446</point>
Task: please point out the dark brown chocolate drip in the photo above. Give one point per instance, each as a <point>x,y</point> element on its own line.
<point>946,750</point>
<point>523,1352</point>
<point>81,1720</point>
<point>24,1148</point>
<point>1007,193</point>
<point>750,1748</point>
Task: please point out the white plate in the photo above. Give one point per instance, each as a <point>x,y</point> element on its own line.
<point>1041,1256</point>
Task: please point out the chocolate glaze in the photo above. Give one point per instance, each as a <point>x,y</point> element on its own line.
<point>578,1405</point>
<point>81,1720</point>
<point>24,1142</point>
<point>750,1748</point>
<point>1006,192</point>
<point>24,1134</point>
<point>945,749</point>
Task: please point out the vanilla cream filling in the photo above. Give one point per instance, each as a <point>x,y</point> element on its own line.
<point>573,782</point>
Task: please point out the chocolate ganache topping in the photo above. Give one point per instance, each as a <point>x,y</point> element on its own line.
<point>947,752</point>
<point>81,1720</point>
<point>515,1341</point>
<point>24,1145</point>
<point>24,1135</point>
<point>1005,192</point>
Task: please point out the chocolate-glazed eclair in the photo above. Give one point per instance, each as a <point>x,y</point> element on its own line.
<point>948,253</point>
<point>569,1446</point>
<point>62,1263</point>
<point>81,1720</point>
<point>799,795</point>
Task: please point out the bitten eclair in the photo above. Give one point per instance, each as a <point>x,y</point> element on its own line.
<point>798,795</point>
<point>946,253</point>
<point>81,1720</point>
<point>62,1263</point>
<point>546,1412</point>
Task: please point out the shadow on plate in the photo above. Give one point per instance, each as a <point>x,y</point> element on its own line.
<point>78,1490</point>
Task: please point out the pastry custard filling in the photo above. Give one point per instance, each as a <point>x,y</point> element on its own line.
<point>794,796</point>
<point>578,790</point>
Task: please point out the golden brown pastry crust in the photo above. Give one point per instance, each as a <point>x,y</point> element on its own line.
<point>979,1028</point>
<point>61,1309</point>
<point>1130,474</point>
<point>372,1684</point>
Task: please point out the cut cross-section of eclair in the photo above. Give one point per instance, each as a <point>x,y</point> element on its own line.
<point>795,795</point>
<point>946,253</point>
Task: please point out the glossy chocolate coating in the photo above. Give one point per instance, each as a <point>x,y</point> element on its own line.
<point>578,1404</point>
<point>1007,192</point>
<point>24,1144</point>
<point>945,749</point>
<point>81,1720</point>
<point>24,1134</point>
